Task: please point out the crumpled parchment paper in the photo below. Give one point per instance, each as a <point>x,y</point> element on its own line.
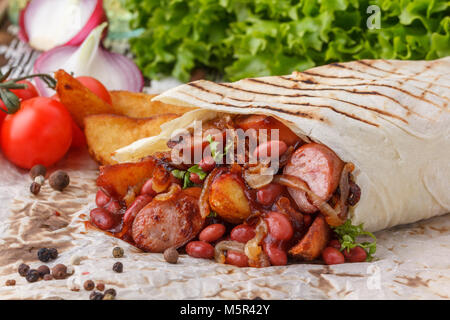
<point>413,261</point>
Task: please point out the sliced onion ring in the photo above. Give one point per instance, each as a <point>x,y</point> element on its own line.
<point>115,71</point>
<point>344,188</point>
<point>331,216</point>
<point>253,249</point>
<point>47,24</point>
<point>223,246</point>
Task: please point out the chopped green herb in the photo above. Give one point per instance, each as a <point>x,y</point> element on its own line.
<point>196,169</point>
<point>186,181</point>
<point>212,214</point>
<point>179,174</point>
<point>213,146</point>
<point>348,235</point>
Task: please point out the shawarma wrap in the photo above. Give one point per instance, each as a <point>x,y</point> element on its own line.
<point>390,119</point>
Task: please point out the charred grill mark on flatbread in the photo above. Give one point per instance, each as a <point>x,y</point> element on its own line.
<point>404,76</point>
<point>295,113</point>
<point>421,97</point>
<point>331,89</point>
<point>385,113</point>
<point>196,85</point>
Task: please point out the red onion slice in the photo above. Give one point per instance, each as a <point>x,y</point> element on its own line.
<point>115,71</point>
<point>46,24</point>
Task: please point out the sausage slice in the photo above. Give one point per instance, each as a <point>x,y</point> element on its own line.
<point>320,168</point>
<point>164,224</point>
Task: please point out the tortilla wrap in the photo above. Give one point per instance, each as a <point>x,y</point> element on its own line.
<point>390,118</point>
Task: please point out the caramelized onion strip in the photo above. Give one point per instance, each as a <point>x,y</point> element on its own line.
<point>223,246</point>
<point>331,216</point>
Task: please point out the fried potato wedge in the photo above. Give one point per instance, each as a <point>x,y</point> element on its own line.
<point>139,105</point>
<point>118,179</point>
<point>79,100</point>
<point>315,240</point>
<point>227,198</point>
<point>105,133</point>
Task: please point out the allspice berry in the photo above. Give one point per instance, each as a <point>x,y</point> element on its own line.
<point>117,252</point>
<point>89,285</point>
<point>59,180</point>
<point>100,286</point>
<point>48,277</point>
<point>32,275</point>
<point>38,170</point>
<point>59,271</point>
<point>171,255</point>
<point>10,282</point>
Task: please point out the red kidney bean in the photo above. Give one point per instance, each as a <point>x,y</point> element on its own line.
<point>195,178</point>
<point>357,254</point>
<point>200,249</point>
<point>139,203</point>
<point>212,233</point>
<point>280,227</point>
<point>102,199</point>
<point>236,259</point>
<point>335,244</point>
<point>147,188</point>
<point>113,206</point>
<point>332,255</point>
<point>268,194</point>
<point>102,218</point>
<point>265,149</point>
<point>277,256</point>
<point>242,233</point>
<point>307,220</point>
<point>207,164</point>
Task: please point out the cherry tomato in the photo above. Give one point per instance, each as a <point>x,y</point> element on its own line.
<point>280,227</point>
<point>236,259</point>
<point>200,249</point>
<point>277,256</point>
<point>268,194</point>
<point>22,94</point>
<point>357,254</point>
<point>39,132</point>
<point>242,233</point>
<point>332,255</point>
<point>102,218</point>
<point>78,136</point>
<point>212,233</point>
<point>25,94</point>
<point>96,87</point>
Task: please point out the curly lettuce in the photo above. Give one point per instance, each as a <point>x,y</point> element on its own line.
<point>251,38</point>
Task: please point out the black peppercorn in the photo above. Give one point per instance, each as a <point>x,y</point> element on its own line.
<point>53,253</point>
<point>23,269</point>
<point>95,295</point>
<point>118,267</point>
<point>111,291</point>
<point>43,255</point>
<point>59,180</point>
<point>32,275</point>
<point>43,270</point>
<point>35,188</point>
<point>38,170</point>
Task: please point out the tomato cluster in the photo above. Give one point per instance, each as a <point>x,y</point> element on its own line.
<point>42,130</point>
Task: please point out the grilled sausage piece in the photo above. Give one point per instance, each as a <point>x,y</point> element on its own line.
<point>164,224</point>
<point>319,167</point>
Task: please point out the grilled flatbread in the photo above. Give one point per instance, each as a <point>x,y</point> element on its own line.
<point>389,118</point>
